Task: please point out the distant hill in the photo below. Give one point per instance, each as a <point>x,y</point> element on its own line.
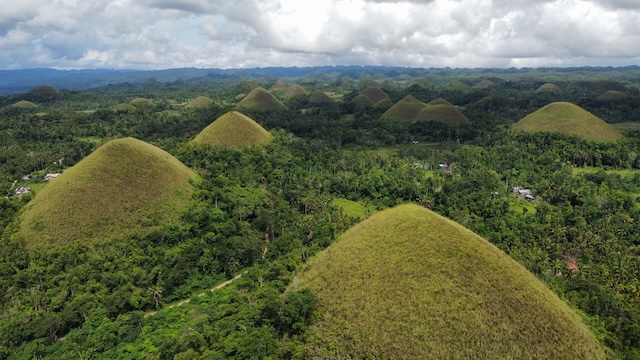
<point>569,119</point>
<point>233,129</point>
<point>439,101</point>
<point>484,84</point>
<point>124,108</point>
<point>384,104</point>
<point>137,102</point>
<point>318,98</point>
<point>126,185</point>
<point>260,99</point>
<point>24,104</point>
<point>200,102</point>
<point>374,93</point>
<point>612,95</point>
<point>408,283</point>
<point>362,101</point>
<point>406,109</point>
<point>442,113</point>
<point>548,87</point>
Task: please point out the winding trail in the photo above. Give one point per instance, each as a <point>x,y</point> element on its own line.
<point>182,302</point>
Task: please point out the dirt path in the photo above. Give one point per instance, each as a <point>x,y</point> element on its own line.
<point>182,302</point>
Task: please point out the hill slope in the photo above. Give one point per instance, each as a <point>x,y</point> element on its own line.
<point>235,130</point>
<point>406,109</point>
<point>200,102</point>
<point>123,186</point>
<point>570,119</point>
<point>409,283</point>
<point>260,99</point>
<point>442,113</point>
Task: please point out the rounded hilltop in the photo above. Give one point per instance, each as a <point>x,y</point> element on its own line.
<point>126,185</point>
<point>442,113</point>
<point>233,129</point>
<point>200,102</point>
<point>406,109</point>
<point>374,93</point>
<point>612,95</point>
<point>260,99</point>
<point>409,283</point>
<point>24,104</point>
<point>569,119</point>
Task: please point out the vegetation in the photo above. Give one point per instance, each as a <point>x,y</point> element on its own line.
<point>374,93</point>
<point>408,283</point>
<point>612,95</point>
<point>362,101</point>
<point>548,87</point>
<point>23,104</point>
<point>235,130</point>
<point>260,99</point>
<point>569,119</point>
<point>137,102</point>
<point>319,97</point>
<point>383,105</point>
<point>439,101</point>
<point>125,186</point>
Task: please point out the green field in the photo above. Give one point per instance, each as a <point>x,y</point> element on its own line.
<point>593,170</point>
<point>354,209</point>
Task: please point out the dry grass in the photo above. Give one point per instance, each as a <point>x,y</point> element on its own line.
<point>406,109</point>
<point>439,101</point>
<point>374,93</point>
<point>260,99</point>
<point>200,102</point>
<point>455,85</point>
<point>362,101</point>
<point>384,104</point>
<point>570,119</point>
<point>410,284</point>
<point>233,129</point>
<point>24,104</point>
<point>318,98</point>
<point>443,113</point>
<point>484,84</point>
<point>126,185</point>
<point>549,87</point>
<point>612,95</point>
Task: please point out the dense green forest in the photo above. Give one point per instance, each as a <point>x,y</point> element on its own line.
<point>262,212</point>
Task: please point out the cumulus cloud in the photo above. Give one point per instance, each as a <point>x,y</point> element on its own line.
<point>157,34</point>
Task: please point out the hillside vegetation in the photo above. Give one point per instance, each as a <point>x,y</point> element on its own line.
<point>442,113</point>
<point>406,109</point>
<point>233,129</point>
<point>126,185</point>
<point>408,283</point>
<point>200,102</point>
<point>568,119</point>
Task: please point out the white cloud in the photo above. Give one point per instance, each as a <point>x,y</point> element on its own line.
<point>246,33</point>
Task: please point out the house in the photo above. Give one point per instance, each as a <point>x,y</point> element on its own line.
<point>22,190</point>
<point>519,190</point>
<point>51,176</point>
<point>443,165</point>
<point>26,177</point>
<point>529,197</point>
<point>448,171</point>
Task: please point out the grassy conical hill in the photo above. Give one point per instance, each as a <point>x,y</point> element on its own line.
<point>442,113</point>
<point>567,118</point>
<point>612,95</point>
<point>24,104</point>
<point>124,108</point>
<point>141,102</point>
<point>549,87</point>
<point>384,104</point>
<point>439,101</point>
<point>406,109</point>
<point>200,102</point>
<point>295,90</point>
<point>362,101</point>
<point>374,93</point>
<point>455,85</point>
<point>408,283</point>
<point>484,84</point>
<point>233,129</point>
<point>319,97</point>
<point>260,99</point>
<point>126,185</point>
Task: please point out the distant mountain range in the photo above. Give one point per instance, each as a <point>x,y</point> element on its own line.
<point>20,81</point>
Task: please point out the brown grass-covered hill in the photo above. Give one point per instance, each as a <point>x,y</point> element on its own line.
<point>612,95</point>
<point>549,87</point>
<point>362,101</point>
<point>442,113</point>
<point>569,119</point>
<point>296,90</point>
<point>374,93</point>
<point>320,98</point>
<point>260,99</point>
<point>455,85</point>
<point>125,186</point>
<point>137,102</point>
<point>200,102</point>
<point>384,104</point>
<point>406,109</point>
<point>233,129</point>
<point>408,283</point>
<point>24,104</point>
<point>439,101</point>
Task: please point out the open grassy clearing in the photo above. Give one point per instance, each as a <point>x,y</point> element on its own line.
<point>354,209</point>
<point>390,151</point>
<point>518,206</point>
<point>408,283</point>
<point>627,127</point>
<point>593,170</point>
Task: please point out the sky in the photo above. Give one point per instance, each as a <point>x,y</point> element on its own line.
<point>162,34</point>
